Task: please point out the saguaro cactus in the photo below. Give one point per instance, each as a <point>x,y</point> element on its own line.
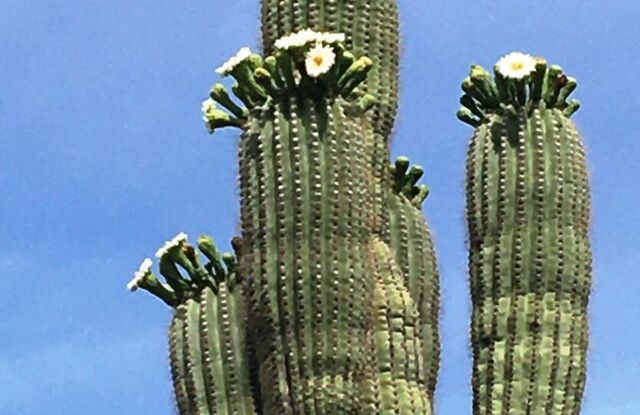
<point>332,326</point>
<point>530,261</point>
<point>330,304</point>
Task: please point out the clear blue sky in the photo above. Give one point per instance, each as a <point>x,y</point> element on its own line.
<point>103,156</point>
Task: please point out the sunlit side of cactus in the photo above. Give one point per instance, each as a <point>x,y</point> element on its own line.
<point>528,209</point>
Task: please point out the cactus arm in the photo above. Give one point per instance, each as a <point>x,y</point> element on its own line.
<point>401,372</point>
<point>412,243</point>
<point>209,357</point>
<point>529,260</point>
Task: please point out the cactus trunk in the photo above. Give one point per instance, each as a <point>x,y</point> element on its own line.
<point>372,29</point>
<point>306,219</point>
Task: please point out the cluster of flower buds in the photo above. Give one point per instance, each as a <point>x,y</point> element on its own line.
<point>176,255</point>
<point>520,81</point>
<point>306,63</point>
<point>405,181</point>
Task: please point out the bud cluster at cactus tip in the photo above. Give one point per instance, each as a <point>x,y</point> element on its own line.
<point>520,82</point>
<point>176,256</point>
<point>305,63</point>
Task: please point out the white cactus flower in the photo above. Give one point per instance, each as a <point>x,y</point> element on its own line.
<point>516,65</point>
<point>234,61</point>
<point>175,241</point>
<point>305,37</point>
<point>332,38</point>
<point>207,105</point>
<point>138,276</point>
<point>319,60</point>
<point>298,39</point>
<point>290,41</point>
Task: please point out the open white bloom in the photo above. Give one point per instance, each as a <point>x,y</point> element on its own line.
<point>516,65</point>
<point>298,39</point>
<point>143,271</point>
<point>234,61</point>
<point>207,105</point>
<point>177,240</point>
<point>319,60</point>
<point>332,38</point>
<point>307,36</point>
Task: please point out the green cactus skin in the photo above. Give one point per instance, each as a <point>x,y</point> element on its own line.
<point>528,210</point>
<point>399,352</point>
<point>371,28</point>
<point>208,354</point>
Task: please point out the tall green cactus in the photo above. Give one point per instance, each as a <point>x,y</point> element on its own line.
<point>530,260</point>
<point>332,305</point>
<point>372,29</point>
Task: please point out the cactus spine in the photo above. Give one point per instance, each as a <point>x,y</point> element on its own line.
<point>530,262</point>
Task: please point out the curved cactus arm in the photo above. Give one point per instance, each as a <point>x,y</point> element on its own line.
<point>412,243</point>
<point>208,351</point>
<point>529,259</point>
<point>399,349</point>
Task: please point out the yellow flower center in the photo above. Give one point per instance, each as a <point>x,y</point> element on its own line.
<point>318,60</point>
<point>517,66</point>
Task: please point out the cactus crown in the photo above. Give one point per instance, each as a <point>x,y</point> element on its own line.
<point>520,82</point>
<point>177,254</point>
<point>306,64</point>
